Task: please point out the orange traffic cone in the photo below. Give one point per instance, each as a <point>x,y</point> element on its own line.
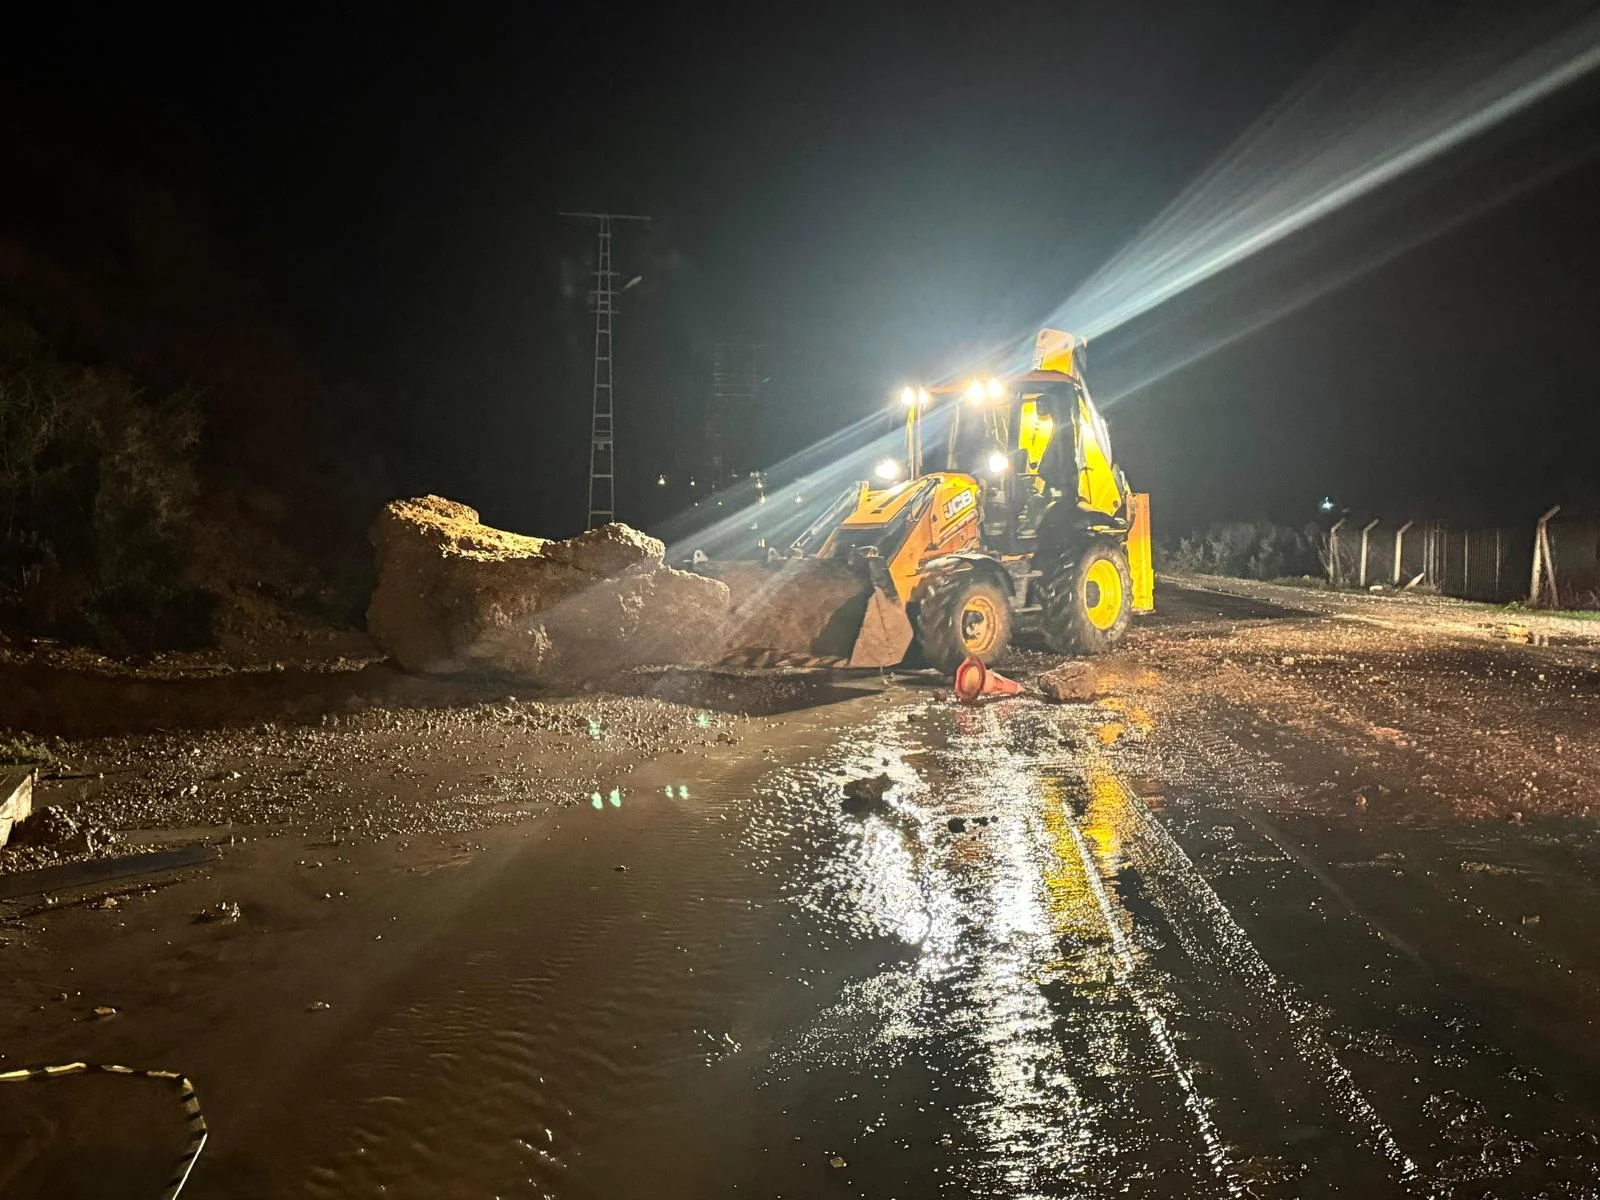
<point>974,681</point>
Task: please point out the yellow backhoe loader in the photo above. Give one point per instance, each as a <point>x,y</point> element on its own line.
<point>1029,520</point>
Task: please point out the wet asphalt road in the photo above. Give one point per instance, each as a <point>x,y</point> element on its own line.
<point>1094,994</point>
<point>1080,951</point>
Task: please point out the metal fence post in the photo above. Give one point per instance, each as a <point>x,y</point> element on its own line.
<point>1543,563</point>
<point>1333,553</point>
<point>1399,539</point>
<point>1366,531</point>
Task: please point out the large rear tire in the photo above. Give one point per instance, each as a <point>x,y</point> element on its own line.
<point>1088,600</point>
<point>961,616</point>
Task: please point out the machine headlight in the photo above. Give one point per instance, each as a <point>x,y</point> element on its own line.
<point>999,464</point>
<point>908,396</point>
<point>995,388</point>
<point>888,470</point>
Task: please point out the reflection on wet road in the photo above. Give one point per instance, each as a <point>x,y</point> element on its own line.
<point>1012,980</point>
<point>1050,985</point>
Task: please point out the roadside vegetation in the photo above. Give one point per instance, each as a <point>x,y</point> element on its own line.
<point>24,750</point>
<point>176,471</point>
<point>1262,550</point>
<point>97,488</point>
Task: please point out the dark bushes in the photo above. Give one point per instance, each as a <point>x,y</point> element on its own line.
<point>97,485</point>
<point>1247,550</point>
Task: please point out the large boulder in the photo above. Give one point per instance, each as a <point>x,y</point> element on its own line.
<point>455,595</point>
<point>1073,682</point>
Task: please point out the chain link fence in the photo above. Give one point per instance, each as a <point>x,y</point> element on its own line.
<point>1493,563</point>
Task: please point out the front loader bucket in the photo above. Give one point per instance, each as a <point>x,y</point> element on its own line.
<point>885,632</point>
<point>808,612</point>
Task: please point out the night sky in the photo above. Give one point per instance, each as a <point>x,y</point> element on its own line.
<point>868,190</point>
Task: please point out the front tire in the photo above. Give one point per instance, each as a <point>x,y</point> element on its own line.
<point>1088,601</point>
<point>960,617</point>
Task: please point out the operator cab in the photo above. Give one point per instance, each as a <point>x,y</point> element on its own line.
<point>1031,442</point>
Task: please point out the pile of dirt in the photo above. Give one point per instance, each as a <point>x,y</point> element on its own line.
<point>266,600</point>
<point>456,595</point>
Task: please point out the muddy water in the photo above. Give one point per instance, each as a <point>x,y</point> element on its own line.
<point>1074,992</point>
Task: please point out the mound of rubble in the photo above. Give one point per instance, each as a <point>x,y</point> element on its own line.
<point>456,595</point>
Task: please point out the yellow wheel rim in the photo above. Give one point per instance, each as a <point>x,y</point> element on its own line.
<point>1102,593</point>
<point>980,625</point>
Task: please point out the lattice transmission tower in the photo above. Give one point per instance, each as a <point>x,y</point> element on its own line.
<point>736,381</point>
<point>602,425</point>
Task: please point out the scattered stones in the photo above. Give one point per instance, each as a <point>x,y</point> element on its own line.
<point>88,840</point>
<point>1485,868</point>
<point>223,910</point>
<point>102,1011</point>
<point>508,757</point>
<point>48,826</point>
<point>318,1006</point>
<point>837,1162</point>
<point>956,824</point>
<point>55,829</point>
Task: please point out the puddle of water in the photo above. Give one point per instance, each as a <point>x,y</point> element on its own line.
<point>1011,979</point>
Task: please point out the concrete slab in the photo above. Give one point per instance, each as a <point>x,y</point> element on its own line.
<point>16,799</point>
